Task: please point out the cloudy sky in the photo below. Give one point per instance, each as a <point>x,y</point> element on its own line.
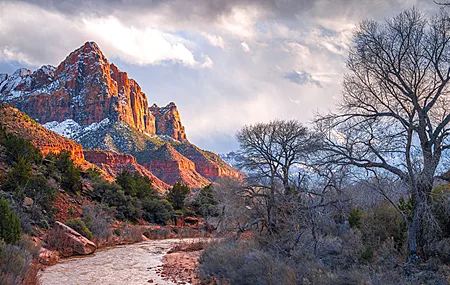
<point>225,63</point>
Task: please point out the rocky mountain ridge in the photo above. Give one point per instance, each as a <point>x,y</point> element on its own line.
<point>89,100</point>
<point>45,140</point>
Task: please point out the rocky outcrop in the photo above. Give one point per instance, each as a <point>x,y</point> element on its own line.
<point>114,163</point>
<point>46,141</point>
<point>84,87</point>
<point>171,167</point>
<point>168,121</point>
<point>74,241</point>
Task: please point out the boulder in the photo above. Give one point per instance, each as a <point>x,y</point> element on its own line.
<point>77,243</point>
<point>27,202</point>
<point>48,257</point>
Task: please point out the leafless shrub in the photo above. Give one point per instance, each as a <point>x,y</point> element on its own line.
<point>241,263</point>
<point>57,239</point>
<point>132,234</point>
<point>16,263</point>
<point>32,276</point>
<point>98,219</point>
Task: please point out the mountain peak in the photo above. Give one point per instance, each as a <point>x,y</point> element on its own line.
<point>88,56</point>
<point>88,48</point>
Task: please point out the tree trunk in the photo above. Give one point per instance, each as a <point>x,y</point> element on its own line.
<point>413,236</point>
<point>421,217</point>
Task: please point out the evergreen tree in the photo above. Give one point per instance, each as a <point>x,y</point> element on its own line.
<point>10,230</point>
<point>177,195</point>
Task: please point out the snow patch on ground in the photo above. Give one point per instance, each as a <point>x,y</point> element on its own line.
<point>71,129</point>
<point>68,128</point>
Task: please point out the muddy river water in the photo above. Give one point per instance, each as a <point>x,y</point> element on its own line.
<point>127,264</point>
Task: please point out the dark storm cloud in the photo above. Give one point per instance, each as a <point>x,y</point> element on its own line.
<point>209,9</point>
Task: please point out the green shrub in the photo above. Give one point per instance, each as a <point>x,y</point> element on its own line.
<point>93,173</point>
<point>80,226</point>
<point>136,185</point>
<point>10,230</point>
<point>43,194</point>
<point>17,147</point>
<point>18,176</point>
<point>441,208</point>
<point>70,174</point>
<point>157,210</point>
<point>71,180</point>
<point>383,223</point>
<point>366,254</point>
<point>133,197</point>
<point>354,218</point>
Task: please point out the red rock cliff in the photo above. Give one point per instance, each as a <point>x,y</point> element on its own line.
<point>208,164</point>
<point>46,141</point>
<point>114,163</point>
<point>171,167</point>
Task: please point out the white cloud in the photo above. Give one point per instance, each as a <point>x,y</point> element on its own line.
<point>241,22</point>
<point>8,54</point>
<point>41,36</point>
<point>214,40</point>
<point>207,63</point>
<point>245,47</point>
<point>148,46</point>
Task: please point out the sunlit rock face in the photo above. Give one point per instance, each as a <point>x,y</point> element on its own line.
<point>168,121</point>
<point>46,141</point>
<point>114,163</point>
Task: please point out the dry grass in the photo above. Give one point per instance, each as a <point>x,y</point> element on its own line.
<point>32,276</point>
<point>189,246</point>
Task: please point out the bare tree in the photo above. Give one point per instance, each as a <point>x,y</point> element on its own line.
<point>269,152</point>
<point>394,116</point>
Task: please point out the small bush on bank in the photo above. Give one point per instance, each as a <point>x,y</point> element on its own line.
<point>80,226</point>
<point>130,233</point>
<point>98,219</point>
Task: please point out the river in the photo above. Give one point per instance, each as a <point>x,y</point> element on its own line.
<point>125,264</point>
